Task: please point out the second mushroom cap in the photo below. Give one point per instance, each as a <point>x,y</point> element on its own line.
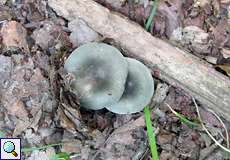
<point>138,90</point>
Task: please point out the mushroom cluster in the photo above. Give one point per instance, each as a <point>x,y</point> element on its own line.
<point>103,78</point>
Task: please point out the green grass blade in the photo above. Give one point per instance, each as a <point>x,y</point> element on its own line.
<point>61,156</point>
<point>183,118</point>
<point>151,134</point>
<point>152,14</point>
<point>186,121</point>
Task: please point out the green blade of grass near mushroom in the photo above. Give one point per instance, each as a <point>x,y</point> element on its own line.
<point>147,111</point>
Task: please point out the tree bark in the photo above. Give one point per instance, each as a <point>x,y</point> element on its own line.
<point>169,63</point>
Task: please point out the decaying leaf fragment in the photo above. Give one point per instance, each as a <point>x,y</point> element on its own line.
<point>225,67</point>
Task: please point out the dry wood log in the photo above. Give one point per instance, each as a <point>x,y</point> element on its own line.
<point>172,64</point>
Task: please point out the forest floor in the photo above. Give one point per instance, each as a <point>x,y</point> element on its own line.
<point>36,106</point>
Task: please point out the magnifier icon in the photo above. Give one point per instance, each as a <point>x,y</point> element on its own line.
<point>9,147</point>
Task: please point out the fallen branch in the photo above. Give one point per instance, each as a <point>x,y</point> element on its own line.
<point>170,63</point>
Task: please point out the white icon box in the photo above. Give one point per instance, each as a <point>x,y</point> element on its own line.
<point>10,149</point>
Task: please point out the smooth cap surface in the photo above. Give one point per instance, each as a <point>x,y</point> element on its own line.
<point>100,73</point>
<point>139,89</point>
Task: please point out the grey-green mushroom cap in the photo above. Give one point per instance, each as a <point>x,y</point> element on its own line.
<point>139,89</point>
<point>100,73</point>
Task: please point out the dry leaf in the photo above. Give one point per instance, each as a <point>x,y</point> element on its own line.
<point>225,67</point>
<point>18,109</point>
<point>14,36</point>
<point>121,143</point>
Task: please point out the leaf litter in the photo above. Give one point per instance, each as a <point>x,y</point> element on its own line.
<point>37,106</point>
